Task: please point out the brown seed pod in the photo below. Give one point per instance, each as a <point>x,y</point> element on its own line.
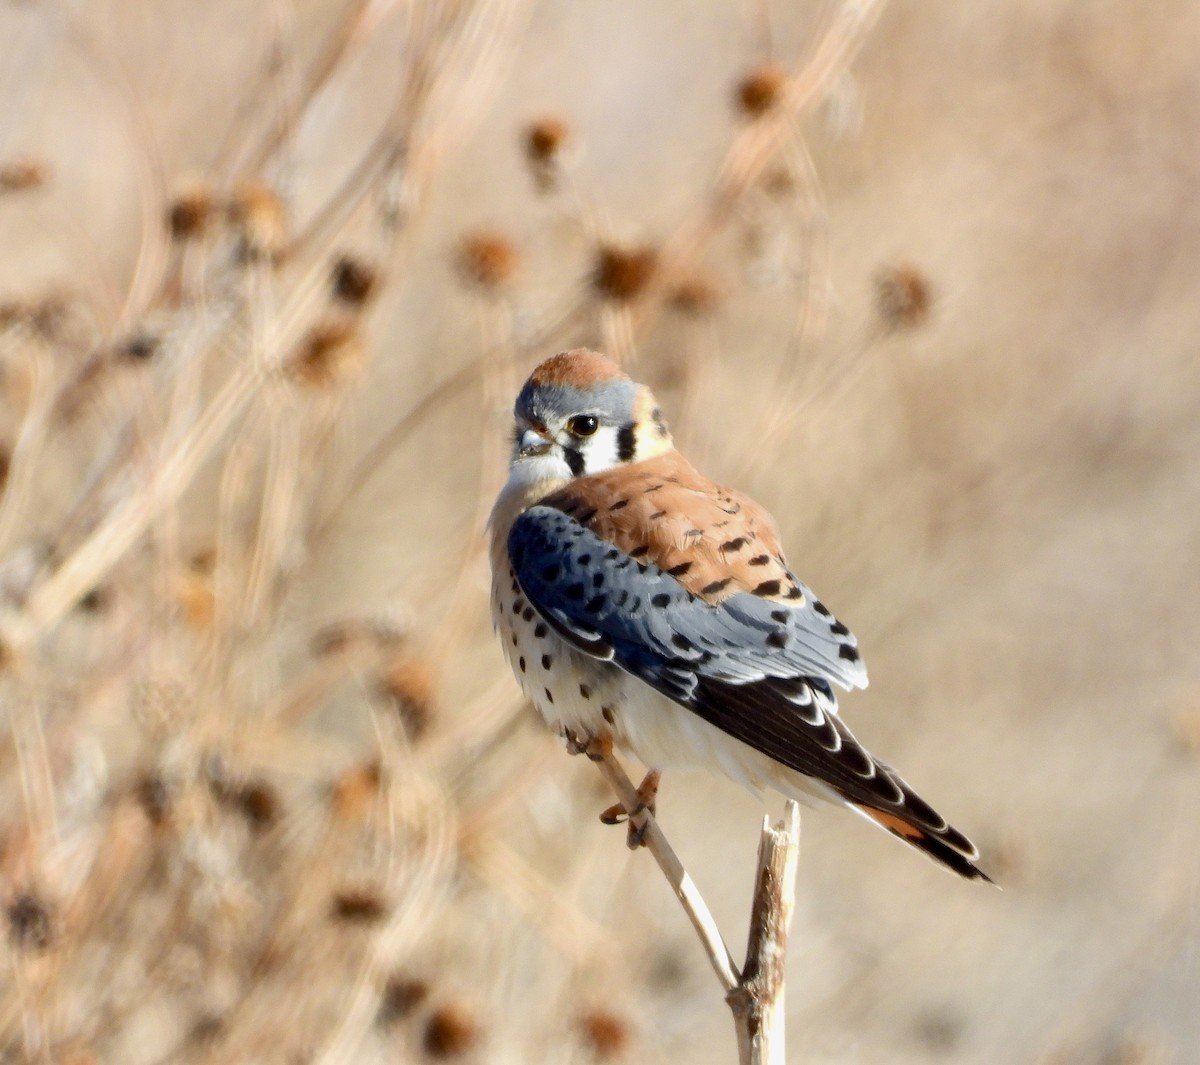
<point>604,1033</point>
<point>259,218</point>
<point>21,175</point>
<point>622,274</point>
<point>450,1031</point>
<point>330,354</point>
<point>353,794</point>
<point>759,90</point>
<point>411,685</point>
<point>357,905</point>
<point>545,138</point>
<point>902,296</point>
<point>487,259</point>
<point>30,926</point>
<point>695,297</point>
<point>400,998</point>
<point>354,280</point>
<point>190,213</point>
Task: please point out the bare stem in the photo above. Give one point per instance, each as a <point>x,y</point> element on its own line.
<point>757,1002</point>
<point>755,996</point>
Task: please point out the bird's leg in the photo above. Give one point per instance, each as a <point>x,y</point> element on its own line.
<point>597,748</point>
<point>647,793</point>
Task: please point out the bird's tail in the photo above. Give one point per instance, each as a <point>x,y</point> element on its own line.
<point>947,846</point>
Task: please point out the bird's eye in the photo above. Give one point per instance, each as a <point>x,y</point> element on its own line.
<point>582,424</point>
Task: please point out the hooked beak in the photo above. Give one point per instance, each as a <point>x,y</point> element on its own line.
<point>533,442</point>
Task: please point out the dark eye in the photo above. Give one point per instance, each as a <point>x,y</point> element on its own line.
<point>582,424</point>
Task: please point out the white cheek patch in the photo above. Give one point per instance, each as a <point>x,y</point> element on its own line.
<point>600,451</point>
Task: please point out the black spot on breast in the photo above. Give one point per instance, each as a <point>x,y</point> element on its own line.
<point>574,591</point>
<point>598,580</point>
<point>850,654</point>
<point>657,515</point>
<point>612,554</point>
<point>515,641</point>
<point>680,570</point>
<point>821,608</point>
<point>517,605</point>
<point>596,603</point>
<point>781,616</point>
<point>626,441</point>
<point>839,629</point>
<point>521,663</point>
<point>539,631</point>
<point>778,638</point>
<point>527,614</point>
<point>714,587</point>
<point>585,691</point>
<point>640,552</point>
<point>620,504</point>
<point>585,559</point>
<point>767,588</point>
<point>547,661</point>
<point>694,534</point>
<point>759,560</point>
<point>549,696</point>
<point>607,712</point>
<point>662,600</point>
<point>794,593</point>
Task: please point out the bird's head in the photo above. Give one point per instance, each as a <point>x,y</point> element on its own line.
<point>580,411</point>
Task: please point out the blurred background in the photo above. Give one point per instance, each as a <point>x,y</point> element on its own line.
<point>919,277</point>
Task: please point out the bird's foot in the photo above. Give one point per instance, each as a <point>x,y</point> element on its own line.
<point>647,792</point>
<point>597,748</point>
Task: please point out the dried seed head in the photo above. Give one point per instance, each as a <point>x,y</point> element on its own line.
<point>22,175</point>
<point>411,686</point>
<point>545,140</point>
<point>759,90</point>
<point>451,1030</point>
<point>190,213</point>
<point>29,922</point>
<point>902,296</point>
<point>259,219</point>
<point>258,802</point>
<point>139,347</point>
<point>695,297</point>
<point>401,996</point>
<point>154,798</point>
<point>353,794</point>
<point>354,280</point>
<point>487,260</point>
<point>605,1034</point>
<point>622,274</point>
<point>330,354</point>
<point>357,905</point>
<point>194,595</point>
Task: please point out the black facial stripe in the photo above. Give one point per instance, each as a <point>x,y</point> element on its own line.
<point>626,441</point>
<point>574,461</point>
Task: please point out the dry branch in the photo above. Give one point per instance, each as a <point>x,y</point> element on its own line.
<point>756,995</point>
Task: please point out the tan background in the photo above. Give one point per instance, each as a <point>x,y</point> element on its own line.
<point>1002,500</point>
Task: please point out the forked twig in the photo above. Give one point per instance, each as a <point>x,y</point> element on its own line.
<point>755,995</point>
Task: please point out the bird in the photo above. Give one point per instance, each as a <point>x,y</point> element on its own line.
<point>641,603</point>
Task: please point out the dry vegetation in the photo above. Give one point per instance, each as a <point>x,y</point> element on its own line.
<point>923,281</point>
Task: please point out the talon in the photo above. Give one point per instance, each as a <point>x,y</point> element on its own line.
<point>614,815</point>
<point>599,748</point>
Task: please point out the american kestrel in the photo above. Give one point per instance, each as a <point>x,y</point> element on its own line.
<point>639,601</point>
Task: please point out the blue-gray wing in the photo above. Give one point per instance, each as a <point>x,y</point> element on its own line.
<point>755,668</point>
